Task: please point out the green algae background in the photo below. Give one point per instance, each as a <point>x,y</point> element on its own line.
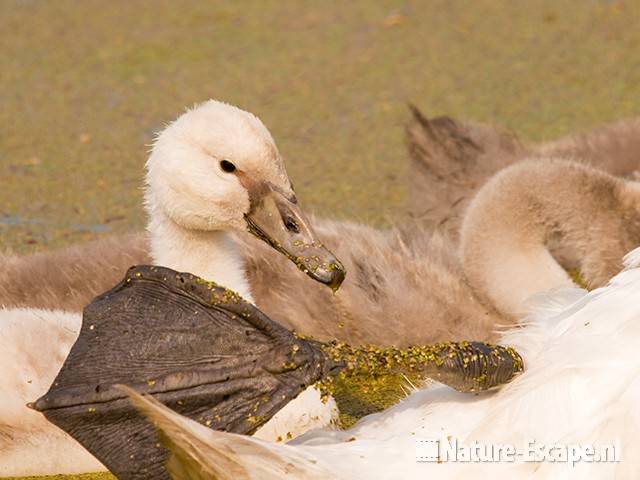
<point>84,85</point>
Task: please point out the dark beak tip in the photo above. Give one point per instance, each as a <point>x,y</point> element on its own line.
<point>334,276</point>
<point>339,277</point>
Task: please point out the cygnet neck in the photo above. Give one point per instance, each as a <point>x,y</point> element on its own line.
<point>212,255</point>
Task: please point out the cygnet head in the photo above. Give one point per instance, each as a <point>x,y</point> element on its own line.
<point>217,168</point>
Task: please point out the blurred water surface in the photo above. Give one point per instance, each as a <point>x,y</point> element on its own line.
<point>83,86</point>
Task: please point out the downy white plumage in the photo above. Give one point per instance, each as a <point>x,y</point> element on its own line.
<point>193,204</point>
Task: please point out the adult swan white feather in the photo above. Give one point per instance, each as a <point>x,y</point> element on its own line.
<point>581,387</point>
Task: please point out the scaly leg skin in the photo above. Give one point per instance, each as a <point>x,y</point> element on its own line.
<point>464,366</point>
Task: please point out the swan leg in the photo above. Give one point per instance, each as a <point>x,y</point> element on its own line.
<point>463,366</point>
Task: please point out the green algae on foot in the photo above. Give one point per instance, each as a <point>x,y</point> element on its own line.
<point>464,366</point>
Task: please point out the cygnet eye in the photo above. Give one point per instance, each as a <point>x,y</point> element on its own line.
<point>227,166</point>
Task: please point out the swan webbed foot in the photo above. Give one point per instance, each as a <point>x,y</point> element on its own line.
<point>196,347</point>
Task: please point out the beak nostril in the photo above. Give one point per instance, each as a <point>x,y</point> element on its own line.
<point>291,225</point>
